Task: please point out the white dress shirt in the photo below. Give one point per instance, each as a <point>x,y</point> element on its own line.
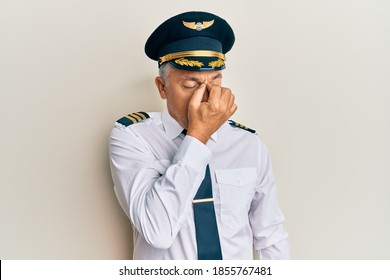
<point>157,171</point>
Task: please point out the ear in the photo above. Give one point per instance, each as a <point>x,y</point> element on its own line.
<point>161,87</point>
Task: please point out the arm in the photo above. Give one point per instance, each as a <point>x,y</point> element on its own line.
<point>266,218</point>
<point>156,194</point>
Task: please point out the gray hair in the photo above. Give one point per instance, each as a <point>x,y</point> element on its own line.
<point>164,71</point>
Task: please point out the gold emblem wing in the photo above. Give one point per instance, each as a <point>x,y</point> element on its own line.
<point>207,24</point>
<point>190,25</point>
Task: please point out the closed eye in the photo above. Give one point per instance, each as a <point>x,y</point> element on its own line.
<point>193,82</point>
<point>219,76</point>
<point>190,84</point>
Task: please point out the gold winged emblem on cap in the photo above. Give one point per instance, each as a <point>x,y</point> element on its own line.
<point>198,26</point>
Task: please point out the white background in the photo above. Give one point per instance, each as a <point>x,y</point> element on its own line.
<point>312,77</point>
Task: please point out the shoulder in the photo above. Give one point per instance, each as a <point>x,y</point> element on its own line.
<point>129,129</point>
<point>246,139</point>
<point>138,118</point>
<point>237,133</point>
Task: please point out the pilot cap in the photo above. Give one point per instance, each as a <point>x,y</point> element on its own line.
<point>195,41</point>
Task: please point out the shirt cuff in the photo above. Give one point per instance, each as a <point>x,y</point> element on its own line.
<point>278,251</point>
<point>193,153</point>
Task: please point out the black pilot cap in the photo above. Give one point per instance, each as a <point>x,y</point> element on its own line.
<point>195,41</point>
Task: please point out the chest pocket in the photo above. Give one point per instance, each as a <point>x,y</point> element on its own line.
<point>236,189</point>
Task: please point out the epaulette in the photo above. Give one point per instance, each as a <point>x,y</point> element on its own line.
<point>133,118</point>
<point>236,124</point>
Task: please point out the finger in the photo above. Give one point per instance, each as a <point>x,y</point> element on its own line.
<point>215,94</point>
<point>231,100</point>
<point>233,109</point>
<point>197,97</point>
<point>209,87</point>
<point>227,98</point>
<point>226,93</point>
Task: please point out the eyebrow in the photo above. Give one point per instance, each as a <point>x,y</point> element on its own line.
<point>219,75</point>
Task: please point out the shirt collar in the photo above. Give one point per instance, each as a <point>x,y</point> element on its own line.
<point>173,129</point>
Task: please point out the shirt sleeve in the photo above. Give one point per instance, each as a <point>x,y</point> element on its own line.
<point>156,194</point>
<point>266,218</point>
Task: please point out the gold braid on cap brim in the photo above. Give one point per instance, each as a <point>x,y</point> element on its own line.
<point>172,56</point>
<point>217,63</point>
<point>191,63</point>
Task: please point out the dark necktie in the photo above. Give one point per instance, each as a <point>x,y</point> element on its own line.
<point>207,238</point>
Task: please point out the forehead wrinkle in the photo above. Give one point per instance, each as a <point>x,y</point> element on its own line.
<point>200,80</point>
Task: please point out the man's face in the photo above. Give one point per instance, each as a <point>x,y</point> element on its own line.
<point>179,88</point>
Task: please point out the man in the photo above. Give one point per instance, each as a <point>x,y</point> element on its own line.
<point>193,184</point>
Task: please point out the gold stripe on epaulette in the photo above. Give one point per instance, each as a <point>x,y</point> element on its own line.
<point>131,118</point>
<point>236,124</point>
<point>136,117</point>
<point>141,115</point>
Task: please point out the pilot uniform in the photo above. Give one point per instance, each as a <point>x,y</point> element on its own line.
<point>158,170</point>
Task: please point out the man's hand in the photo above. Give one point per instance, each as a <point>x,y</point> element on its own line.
<point>206,117</point>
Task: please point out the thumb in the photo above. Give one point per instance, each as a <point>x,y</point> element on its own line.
<point>197,97</point>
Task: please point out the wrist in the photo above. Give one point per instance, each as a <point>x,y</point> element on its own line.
<point>201,136</point>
